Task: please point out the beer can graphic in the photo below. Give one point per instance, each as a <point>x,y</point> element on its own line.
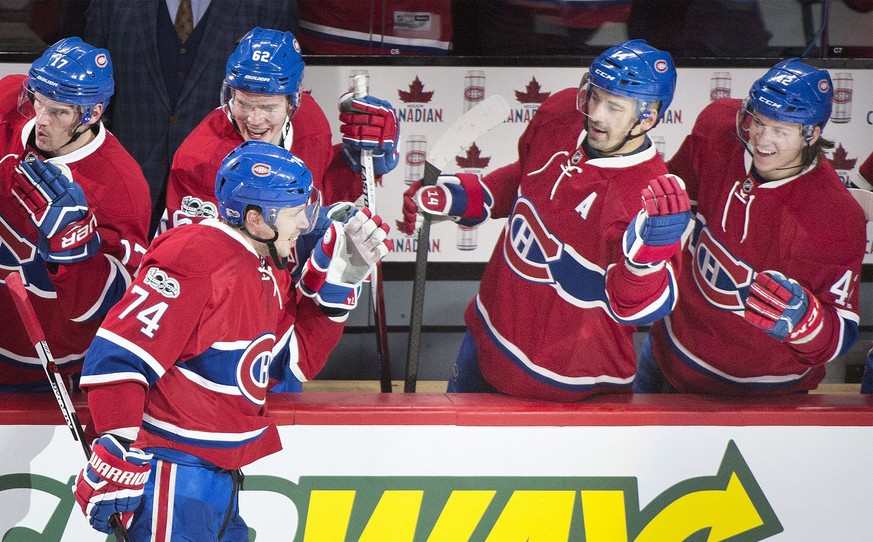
<point>842,112</point>
<point>468,237</point>
<point>352,75</point>
<point>659,146</point>
<point>719,86</point>
<point>474,88</point>
<point>415,157</point>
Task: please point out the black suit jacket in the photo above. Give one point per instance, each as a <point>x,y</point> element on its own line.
<point>140,113</point>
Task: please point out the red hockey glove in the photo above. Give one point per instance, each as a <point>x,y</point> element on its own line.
<point>783,308</point>
<point>58,209</point>
<point>369,123</point>
<point>112,482</point>
<point>339,264</point>
<point>457,197</point>
<point>655,234</point>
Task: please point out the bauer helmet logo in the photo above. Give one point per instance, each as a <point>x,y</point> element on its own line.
<point>261,170</point>
<point>101,60</point>
<point>823,86</point>
<point>661,65</point>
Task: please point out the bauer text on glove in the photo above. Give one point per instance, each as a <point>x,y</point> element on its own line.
<point>59,210</point>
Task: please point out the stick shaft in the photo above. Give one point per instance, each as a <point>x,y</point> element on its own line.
<point>368,179</point>
<point>37,337</point>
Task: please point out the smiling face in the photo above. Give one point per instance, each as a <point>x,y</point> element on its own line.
<point>260,116</point>
<point>777,147</point>
<point>610,118</point>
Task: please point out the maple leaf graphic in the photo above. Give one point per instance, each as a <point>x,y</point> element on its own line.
<point>474,159</point>
<point>532,94</point>
<point>416,93</point>
<point>840,159</point>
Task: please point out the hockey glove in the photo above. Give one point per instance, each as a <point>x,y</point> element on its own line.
<point>655,234</point>
<point>340,263</point>
<point>457,197</point>
<point>369,123</point>
<point>58,209</point>
<point>112,482</point>
<point>783,308</point>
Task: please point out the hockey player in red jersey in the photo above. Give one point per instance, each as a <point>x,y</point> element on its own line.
<point>262,100</point>
<point>769,293</point>
<point>582,260</point>
<point>73,208</point>
<point>181,366</point>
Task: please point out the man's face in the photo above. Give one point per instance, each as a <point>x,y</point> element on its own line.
<point>610,118</point>
<point>55,123</point>
<point>777,147</point>
<point>290,223</point>
<point>260,116</point>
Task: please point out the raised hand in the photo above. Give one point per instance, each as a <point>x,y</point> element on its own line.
<point>369,123</point>
<point>112,482</point>
<point>339,264</point>
<point>783,308</point>
<point>59,210</point>
<point>655,234</point>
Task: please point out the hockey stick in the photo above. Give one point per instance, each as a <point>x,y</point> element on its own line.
<point>368,178</point>
<point>459,135</point>
<point>37,337</point>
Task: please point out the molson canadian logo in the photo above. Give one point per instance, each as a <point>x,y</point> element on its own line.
<point>415,99</point>
<point>529,99</point>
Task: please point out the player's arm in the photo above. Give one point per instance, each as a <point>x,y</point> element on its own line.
<point>190,194</point>
<point>90,254</point>
<point>328,289</point>
<point>642,287</point>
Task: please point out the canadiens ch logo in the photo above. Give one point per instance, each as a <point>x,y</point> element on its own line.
<point>721,278</point>
<point>253,369</point>
<point>529,246</point>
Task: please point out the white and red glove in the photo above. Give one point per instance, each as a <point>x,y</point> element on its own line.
<point>111,483</point>
<point>783,308</point>
<point>339,264</point>
<point>655,234</point>
<point>369,123</point>
<point>458,197</point>
<point>59,210</point>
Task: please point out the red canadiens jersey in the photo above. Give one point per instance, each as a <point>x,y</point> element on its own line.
<point>70,299</point>
<point>191,186</point>
<point>742,228</point>
<point>391,27</point>
<point>560,259</point>
<point>866,169</point>
<point>205,327</point>
<point>578,13</point>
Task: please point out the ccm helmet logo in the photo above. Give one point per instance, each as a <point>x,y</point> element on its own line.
<point>661,66</point>
<point>602,73</point>
<point>261,170</point>
<point>769,102</point>
<point>101,60</point>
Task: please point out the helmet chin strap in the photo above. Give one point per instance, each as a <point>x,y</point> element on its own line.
<point>281,263</point>
<point>627,138</point>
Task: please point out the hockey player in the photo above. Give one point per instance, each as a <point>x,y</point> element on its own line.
<point>262,100</point>
<point>769,293</point>
<point>73,208</point>
<point>181,366</point>
<point>582,259</point>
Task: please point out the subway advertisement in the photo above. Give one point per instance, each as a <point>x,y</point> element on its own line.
<point>418,483</point>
